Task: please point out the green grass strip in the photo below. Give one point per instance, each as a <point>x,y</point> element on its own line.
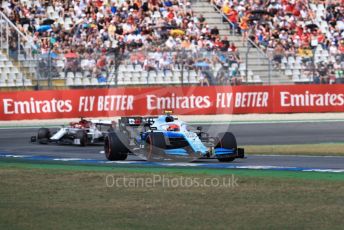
<point>177,170</point>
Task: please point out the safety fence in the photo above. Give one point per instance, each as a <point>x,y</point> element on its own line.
<point>155,66</point>
<point>13,42</point>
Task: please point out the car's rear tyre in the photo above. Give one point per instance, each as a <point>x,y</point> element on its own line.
<point>228,141</point>
<point>43,136</point>
<point>155,144</point>
<point>82,136</point>
<point>116,146</point>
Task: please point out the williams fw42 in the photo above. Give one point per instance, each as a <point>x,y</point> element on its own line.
<point>82,133</point>
<point>165,138</point>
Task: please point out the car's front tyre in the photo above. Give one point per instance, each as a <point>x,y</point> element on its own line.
<point>116,146</point>
<point>228,141</point>
<point>155,145</point>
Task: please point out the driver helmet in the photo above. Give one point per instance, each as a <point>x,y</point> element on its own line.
<point>173,127</point>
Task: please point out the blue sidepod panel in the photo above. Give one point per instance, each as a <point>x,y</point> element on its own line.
<point>224,151</point>
<point>176,152</point>
<point>193,140</point>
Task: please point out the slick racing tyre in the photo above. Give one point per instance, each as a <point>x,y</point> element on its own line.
<point>82,136</point>
<point>115,146</point>
<point>43,136</point>
<point>155,144</point>
<point>228,141</point>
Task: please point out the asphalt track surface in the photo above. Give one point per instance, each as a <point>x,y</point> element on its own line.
<point>17,141</point>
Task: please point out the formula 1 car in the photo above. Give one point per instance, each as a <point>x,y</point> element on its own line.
<point>80,133</point>
<point>167,138</point>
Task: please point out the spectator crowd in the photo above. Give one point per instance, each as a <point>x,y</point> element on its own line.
<point>285,28</point>
<point>149,32</point>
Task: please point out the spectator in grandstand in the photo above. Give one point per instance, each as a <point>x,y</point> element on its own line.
<point>214,33</point>
<point>189,62</point>
<point>244,28</point>
<point>13,50</point>
<point>217,44</point>
<point>204,78</point>
<point>201,21</point>
<point>137,58</point>
<point>88,64</point>
<point>323,71</point>
<point>150,65</point>
<point>332,78</point>
<point>338,69</point>
<point>102,63</point>
<point>232,16</point>
<point>341,50</point>
<point>223,76</point>
<point>234,50</point>
<point>232,59</point>
<point>278,54</point>
<point>225,44</point>
<point>101,78</point>
<point>165,63</point>
<point>204,71</point>
<point>309,72</point>
<point>71,65</point>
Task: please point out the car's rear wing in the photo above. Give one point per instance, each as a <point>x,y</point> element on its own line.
<point>101,122</point>
<point>137,121</point>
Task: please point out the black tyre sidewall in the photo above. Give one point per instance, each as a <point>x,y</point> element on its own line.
<point>116,146</point>
<point>82,135</point>
<point>227,140</point>
<point>155,143</point>
<point>43,135</point>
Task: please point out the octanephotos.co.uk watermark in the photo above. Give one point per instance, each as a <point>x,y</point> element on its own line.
<point>156,180</point>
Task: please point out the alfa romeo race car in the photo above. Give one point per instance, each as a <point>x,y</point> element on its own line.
<point>167,138</point>
<point>80,133</point>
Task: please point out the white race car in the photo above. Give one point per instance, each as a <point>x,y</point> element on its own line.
<point>81,133</point>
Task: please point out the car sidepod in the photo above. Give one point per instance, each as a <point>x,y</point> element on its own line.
<point>184,144</point>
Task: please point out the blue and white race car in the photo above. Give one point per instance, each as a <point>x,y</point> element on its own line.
<point>167,138</point>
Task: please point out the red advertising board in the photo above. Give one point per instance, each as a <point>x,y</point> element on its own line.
<point>182,100</point>
<point>308,98</point>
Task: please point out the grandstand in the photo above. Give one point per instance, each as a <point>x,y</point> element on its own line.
<point>296,35</point>
<point>85,43</point>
